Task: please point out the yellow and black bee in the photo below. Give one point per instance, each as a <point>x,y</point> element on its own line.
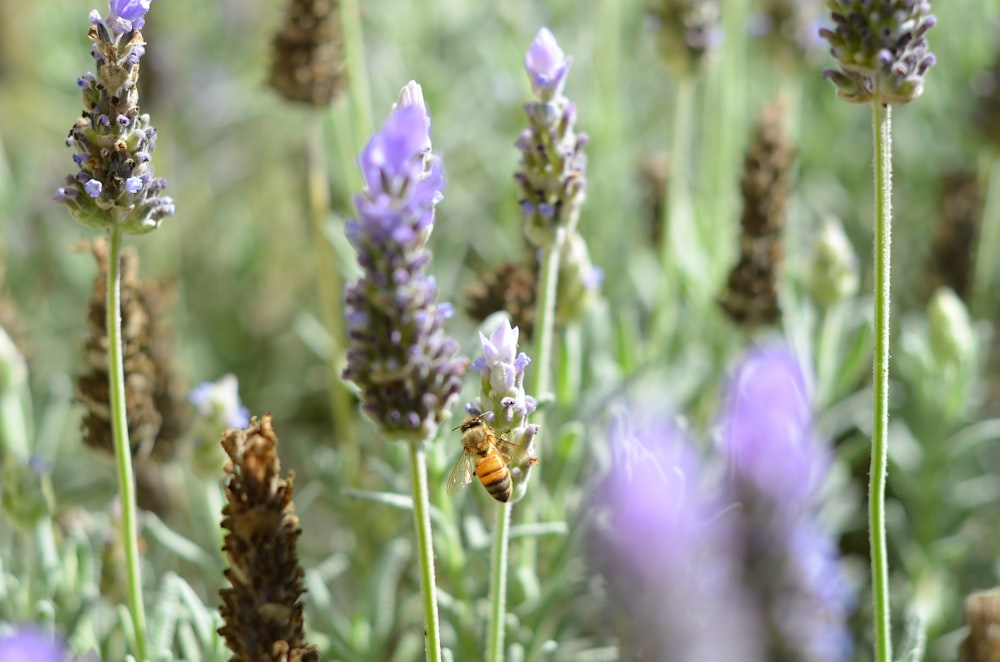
<point>490,457</point>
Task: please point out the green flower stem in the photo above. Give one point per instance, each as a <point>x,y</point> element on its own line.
<point>881,120</point>
<point>354,51</point>
<point>331,289</point>
<point>678,234</point>
<point>545,322</point>
<point>545,313</point>
<point>988,250</point>
<point>422,519</point>
<point>498,584</point>
<point>123,449</point>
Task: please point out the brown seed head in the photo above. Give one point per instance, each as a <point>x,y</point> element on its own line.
<point>262,607</point>
<point>308,65</point>
<point>751,296</point>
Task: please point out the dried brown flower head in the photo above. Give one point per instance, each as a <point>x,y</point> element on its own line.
<point>152,393</point>
<point>982,613</point>
<point>510,288</point>
<point>750,298</point>
<point>956,231</point>
<point>262,607</point>
<point>308,64</point>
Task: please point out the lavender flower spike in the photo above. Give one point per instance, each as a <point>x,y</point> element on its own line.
<point>113,141</point>
<point>881,49</point>
<point>502,400</point>
<point>790,562</point>
<point>399,356</point>
<point>551,177</point>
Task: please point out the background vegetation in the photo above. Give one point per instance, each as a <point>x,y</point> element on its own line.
<point>239,256</point>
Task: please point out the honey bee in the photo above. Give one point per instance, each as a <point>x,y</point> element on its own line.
<point>490,456</point>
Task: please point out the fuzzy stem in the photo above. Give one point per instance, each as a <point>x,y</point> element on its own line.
<point>354,51</point>
<point>545,314</point>
<point>425,544</point>
<point>498,584</point>
<point>331,289</point>
<point>123,449</point>
<point>881,120</point>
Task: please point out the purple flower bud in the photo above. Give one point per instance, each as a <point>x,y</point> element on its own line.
<point>546,65</point>
<point>93,188</point>
<point>123,121</point>
<point>133,184</point>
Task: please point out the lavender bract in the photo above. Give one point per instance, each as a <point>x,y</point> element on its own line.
<point>553,165</point>
<point>881,48</point>
<point>405,365</point>
<point>113,141</point>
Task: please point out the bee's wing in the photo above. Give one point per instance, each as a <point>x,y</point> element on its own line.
<point>514,455</point>
<point>461,475</point>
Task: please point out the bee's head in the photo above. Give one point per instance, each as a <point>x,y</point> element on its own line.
<point>469,423</point>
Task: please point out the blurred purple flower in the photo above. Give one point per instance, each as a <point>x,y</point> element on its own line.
<point>404,364</point>
<point>219,401</point>
<point>665,554</point>
<point>28,644</point>
<point>766,427</point>
<point>777,467</point>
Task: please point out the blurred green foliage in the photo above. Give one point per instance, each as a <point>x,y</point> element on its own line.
<point>238,252</point>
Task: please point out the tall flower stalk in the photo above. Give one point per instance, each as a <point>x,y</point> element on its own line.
<point>114,190</point>
<point>552,182</point>
<point>506,407</point>
<point>686,32</point>
<point>882,53</point>
<point>404,364</point>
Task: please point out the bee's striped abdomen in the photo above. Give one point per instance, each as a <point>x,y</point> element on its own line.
<point>495,476</point>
